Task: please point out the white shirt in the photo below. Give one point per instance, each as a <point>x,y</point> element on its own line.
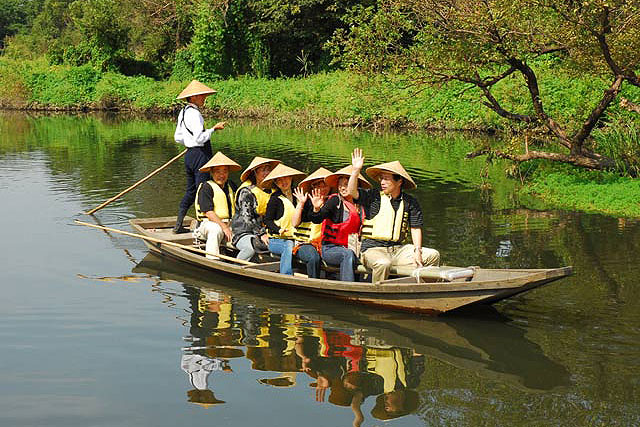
<point>199,367</point>
<point>190,129</point>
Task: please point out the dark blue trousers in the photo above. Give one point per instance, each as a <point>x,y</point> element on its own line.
<point>194,159</point>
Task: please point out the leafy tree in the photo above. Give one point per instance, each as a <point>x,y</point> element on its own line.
<point>16,17</point>
<point>103,34</point>
<point>483,43</point>
<point>207,43</point>
<point>298,28</point>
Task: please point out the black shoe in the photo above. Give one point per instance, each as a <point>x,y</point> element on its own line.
<point>178,228</point>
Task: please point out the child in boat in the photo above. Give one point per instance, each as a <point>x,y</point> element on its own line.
<point>215,203</point>
<point>251,205</point>
<point>307,234</point>
<point>280,210</point>
<point>340,218</point>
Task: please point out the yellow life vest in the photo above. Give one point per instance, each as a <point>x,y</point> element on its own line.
<point>261,196</point>
<point>389,364</point>
<point>387,225</point>
<point>284,222</point>
<point>220,206</point>
<point>289,322</point>
<point>308,232</point>
<point>224,316</point>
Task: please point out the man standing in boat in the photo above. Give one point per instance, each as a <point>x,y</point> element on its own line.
<point>190,132</point>
<point>391,214</point>
<point>215,203</point>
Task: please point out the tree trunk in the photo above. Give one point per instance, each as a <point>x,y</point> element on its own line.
<point>588,161</point>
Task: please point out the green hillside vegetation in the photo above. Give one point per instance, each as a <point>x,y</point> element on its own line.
<point>367,64</point>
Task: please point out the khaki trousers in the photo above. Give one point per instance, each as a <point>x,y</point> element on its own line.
<point>380,259</point>
<point>213,234</point>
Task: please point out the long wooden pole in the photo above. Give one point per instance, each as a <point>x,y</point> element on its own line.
<point>117,196</point>
<point>166,242</point>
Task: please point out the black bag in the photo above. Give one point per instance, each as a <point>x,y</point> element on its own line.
<point>258,245</point>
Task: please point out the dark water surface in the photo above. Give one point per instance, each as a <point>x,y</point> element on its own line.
<point>94,331</point>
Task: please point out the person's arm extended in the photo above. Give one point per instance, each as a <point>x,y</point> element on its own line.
<point>357,161</point>
<point>271,215</point>
<point>301,198</point>
<point>416,239</point>
<point>356,407</point>
<point>325,211</point>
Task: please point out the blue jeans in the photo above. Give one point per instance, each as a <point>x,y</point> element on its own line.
<point>341,256</point>
<point>310,255</point>
<point>284,248</point>
<point>245,247</point>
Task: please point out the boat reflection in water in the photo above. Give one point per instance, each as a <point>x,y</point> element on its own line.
<point>348,353</point>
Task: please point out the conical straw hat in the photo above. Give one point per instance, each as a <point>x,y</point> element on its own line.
<point>282,171</point>
<point>220,159</point>
<point>320,173</point>
<point>195,88</point>
<point>257,161</point>
<point>392,167</point>
<point>332,180</point>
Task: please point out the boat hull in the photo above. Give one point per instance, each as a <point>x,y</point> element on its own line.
<point>404,293</point>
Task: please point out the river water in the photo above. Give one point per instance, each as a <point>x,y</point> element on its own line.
<point>95,331</point>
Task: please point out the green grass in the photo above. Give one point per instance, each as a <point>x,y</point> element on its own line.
<point>588,191</point>
<point>337,97</point>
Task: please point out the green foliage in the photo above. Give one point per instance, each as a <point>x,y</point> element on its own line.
<point>260,58</point>
<point>16,17</point>
<point>207,43</point>
<point>182,65</point>
<point>104,36</point>
<point>590,191</point>
<point>225,38</point>
<point>64,86</point>
<point>496,44</point>
<point>621,142</point>
<point>50,24</point>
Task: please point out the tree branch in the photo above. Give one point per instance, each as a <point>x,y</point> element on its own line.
<point>577,160</point>
<point>493,104</point>
<point>608,97</point>
<point>534,91</point>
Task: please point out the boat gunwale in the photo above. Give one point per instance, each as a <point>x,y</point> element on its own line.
<point>417,290</point>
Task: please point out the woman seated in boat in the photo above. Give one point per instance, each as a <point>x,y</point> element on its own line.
<point>252,197</point>
<point>307,234</point>
<point>279,213</point>
<point>341,220</point>
<point>215,203</point>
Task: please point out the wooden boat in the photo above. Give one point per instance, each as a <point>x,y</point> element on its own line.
<point>428,291</point>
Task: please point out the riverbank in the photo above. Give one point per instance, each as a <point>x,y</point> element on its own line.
<point>562,187</point>
<point>344,99</point>
<point>337,98</point>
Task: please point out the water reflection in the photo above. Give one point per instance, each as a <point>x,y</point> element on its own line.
<point>479,369</point>
<point>344,366</point>
<point>346,354</point>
